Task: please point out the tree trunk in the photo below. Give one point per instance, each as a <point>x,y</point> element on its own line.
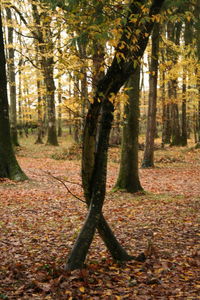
<point>9,167</point>
<point>12,81</point>
<point>166,128</point>
<point>39,112</point>
<point>95,140</point>
<point>45,47</point>
<point>51,110</point>
<point>148,160</point>
<point>59,108</point>
<point>197,25</point>
<point>128,179</point>
<point>184,130</point>
<point>174,31</point>
<point>20,116</point>
<point>59,93</point>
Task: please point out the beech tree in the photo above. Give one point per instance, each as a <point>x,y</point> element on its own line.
<point>128,178</point>
<point>97,129</point>
<point>11,77</point>
<point>9,166</point>
<point>148,159</point>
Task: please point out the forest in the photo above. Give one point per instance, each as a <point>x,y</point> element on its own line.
<point>100,149</point>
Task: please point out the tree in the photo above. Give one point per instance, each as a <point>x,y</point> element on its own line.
<point>197,27</point>
<point>12,81</point>
<point>128,178</point>
<point>9,167</point>
<point>95,140</point>
<point>45,45</point>
<point>148,159</point>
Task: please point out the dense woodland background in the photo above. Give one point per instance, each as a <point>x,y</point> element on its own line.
<point>65,51</point>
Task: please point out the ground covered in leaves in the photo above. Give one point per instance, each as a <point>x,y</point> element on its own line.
<point>40,219</point>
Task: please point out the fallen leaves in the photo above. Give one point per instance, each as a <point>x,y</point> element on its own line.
<point>39,221</point>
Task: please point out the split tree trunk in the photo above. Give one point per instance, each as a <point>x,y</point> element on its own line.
<point>99,120</point>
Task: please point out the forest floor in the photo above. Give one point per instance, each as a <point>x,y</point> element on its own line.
<point>40,219</point>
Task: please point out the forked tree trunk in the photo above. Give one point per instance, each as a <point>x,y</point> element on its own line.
<point>9,167</point>
<point>95,146</point>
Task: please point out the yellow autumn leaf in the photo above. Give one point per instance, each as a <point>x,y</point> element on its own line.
<point>82,289</point>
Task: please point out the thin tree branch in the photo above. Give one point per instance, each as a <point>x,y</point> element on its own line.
<point>63,183</point>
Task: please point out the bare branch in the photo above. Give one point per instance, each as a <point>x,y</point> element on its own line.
<point>63,183</point>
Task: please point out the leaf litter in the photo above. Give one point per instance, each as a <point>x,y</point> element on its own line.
<point>39,222</point>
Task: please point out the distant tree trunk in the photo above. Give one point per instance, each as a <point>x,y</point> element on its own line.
<point>20,117</point>
<point>176,134</point>
<point>59,94</point>
<point>96,138</point>
<point>39,112</point>
<point>59,108</point>
<point>12,81</point>
<point>128,178</point>
<point>9,167</point>
<point>48,65</point>
<point>188,37</point>
<point>166,136</point>
<point>174,31</point>
<point>45,47</point>
<point>148,159</point>
<point>184,114</point>
<point>166,128</point>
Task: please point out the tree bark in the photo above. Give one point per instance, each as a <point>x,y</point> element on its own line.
<point>174,31</point>
<point>9,167</point>
<point>184,133</point>
<point>39,113</point>
<point>148,159</point>
<point>45,46</point>
<point>197,25</point>
<point>12,81</point>
<point>128,178</point>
